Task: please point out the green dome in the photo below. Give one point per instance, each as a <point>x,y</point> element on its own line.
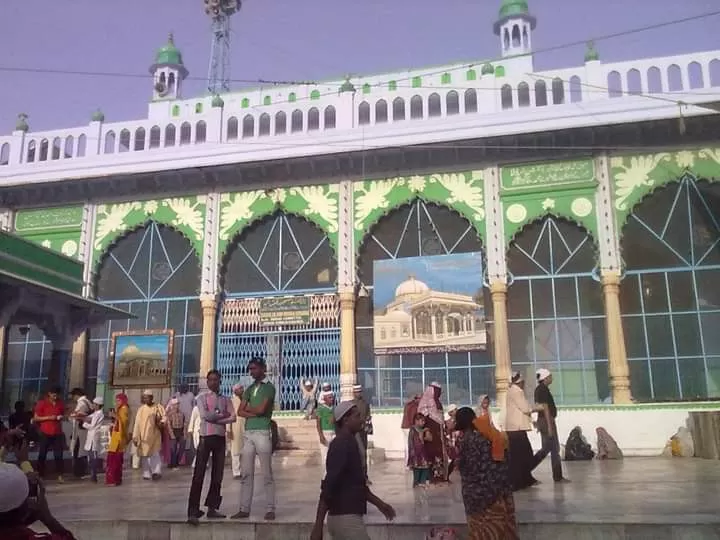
<point>217,102</point>
<point>347,86</point>
<point>98,116</point>
<point>487,69</point>
<point>591,54</point>
<point>513,7</point>
<point>169,54</point>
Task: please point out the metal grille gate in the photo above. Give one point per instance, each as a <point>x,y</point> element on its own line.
<point>292,353</point>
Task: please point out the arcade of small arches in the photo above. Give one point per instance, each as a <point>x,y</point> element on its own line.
<point>557,303</point>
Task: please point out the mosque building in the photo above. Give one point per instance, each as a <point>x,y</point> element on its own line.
<point>252,222</point>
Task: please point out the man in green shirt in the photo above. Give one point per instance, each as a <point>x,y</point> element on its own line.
<point>256,407</point>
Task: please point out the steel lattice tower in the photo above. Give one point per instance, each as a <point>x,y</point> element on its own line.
<point>220,12</point>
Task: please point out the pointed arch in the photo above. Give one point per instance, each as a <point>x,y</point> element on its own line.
<point>113,220</point>
<point>669,297</point>
<point>276,253</point>
<point>419,228</point>
<point>556,317</point>
<point>153,271</point>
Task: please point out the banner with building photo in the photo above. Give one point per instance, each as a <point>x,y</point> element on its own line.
<point>429,304</point>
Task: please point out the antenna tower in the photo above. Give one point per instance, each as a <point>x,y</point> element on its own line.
<point>220,12</point>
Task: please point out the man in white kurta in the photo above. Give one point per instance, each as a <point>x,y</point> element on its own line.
<point>147,436</point>
<point>235,432</point>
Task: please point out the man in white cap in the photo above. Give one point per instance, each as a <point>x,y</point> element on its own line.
<point>546,425</point>
<point>93,444</point>
<point>147,436</point>
<point>344,493</point>
<point>15,509</point>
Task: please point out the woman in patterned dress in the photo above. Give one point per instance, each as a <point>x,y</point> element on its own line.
<point>431,408</point>
<point>486,490</point>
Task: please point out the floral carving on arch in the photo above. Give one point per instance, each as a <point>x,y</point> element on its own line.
<point>635,177</point>
<point>462,192</point>
<point>184,214</point>
<point>317,204</point>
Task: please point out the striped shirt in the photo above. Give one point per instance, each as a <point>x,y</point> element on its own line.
<point>211,406</point>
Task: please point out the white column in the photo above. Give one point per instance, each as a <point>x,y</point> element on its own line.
<point>346,286</point>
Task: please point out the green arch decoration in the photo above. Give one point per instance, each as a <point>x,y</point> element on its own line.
<point>317,204</point>
<point>577,207</point>
<point>636,176</point>
<point>462,192</point>
<point>184,214</point>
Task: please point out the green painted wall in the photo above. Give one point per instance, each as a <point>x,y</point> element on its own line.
<point>53,228</point>
<point>563,189</point>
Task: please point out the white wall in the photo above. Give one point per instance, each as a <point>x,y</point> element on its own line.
<point>639,430</point>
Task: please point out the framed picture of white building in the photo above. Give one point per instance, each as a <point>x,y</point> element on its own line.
<point>141,359</point>
<point>429,304</point>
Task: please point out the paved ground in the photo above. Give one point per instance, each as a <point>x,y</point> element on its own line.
<point>634,491</point>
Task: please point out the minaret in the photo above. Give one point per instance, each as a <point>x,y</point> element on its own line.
<point>168,72</point>
<point>515,26</point>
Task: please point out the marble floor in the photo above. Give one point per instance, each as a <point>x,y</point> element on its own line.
<point>634,491</point>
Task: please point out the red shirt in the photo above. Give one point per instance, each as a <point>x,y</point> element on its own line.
<point>45,408</point>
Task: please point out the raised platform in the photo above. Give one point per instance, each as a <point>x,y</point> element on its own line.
<point>639,498</point>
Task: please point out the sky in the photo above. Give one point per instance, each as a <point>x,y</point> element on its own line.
<point>293,40</point>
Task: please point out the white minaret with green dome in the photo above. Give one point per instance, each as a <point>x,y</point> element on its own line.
<point>168,72</point>
<point>515,26</point>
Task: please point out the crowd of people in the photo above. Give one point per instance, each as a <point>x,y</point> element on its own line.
<point>492,464</point>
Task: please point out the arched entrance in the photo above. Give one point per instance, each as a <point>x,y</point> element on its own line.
<point>414,230</point>
<point>556,318</point>
<point>278,279</point>
<point>154,273</point>
<point>670,297</point>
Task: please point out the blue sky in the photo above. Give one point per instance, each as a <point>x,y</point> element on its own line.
<point>292,40</point>
<point>461,274</point>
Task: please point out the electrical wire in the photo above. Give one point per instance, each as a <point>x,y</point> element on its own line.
<point>273,82</point>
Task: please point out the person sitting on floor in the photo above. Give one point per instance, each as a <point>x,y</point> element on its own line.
<point>607,447</point>
<point>577,448</point>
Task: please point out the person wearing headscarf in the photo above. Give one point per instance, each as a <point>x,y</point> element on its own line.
<point>547,426</point>
<point>486,490</point>
<point>147,436</point>
<point>431,408</point>
<point>409,412</point>
<point>119,438</point>
<point>17,513</point>
<point>518,421</point>
<point>483,406</point>
<point>606,445</point>
<point>235,433</point>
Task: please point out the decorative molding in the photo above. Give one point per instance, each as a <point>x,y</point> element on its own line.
<point>547,177</point>
<point>346,245</point>
<point>636,176</point>
<point>494,227</point>
<point>462,192</point>
<point>210,263</point>
<point>607,240</point>
<point>184,214</point>
<point>85,253</point>
<point>317,204</point>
